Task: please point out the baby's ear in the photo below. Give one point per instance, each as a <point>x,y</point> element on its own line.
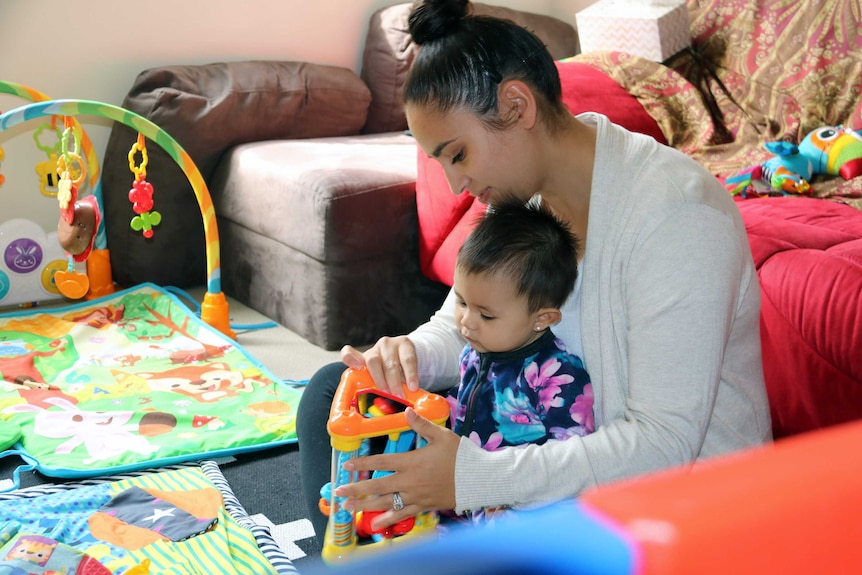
<point>548,316</point>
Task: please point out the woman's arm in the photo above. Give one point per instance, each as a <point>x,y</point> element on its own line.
<point>655,347</point>
<point>438,347</point>
<point>687,296</point>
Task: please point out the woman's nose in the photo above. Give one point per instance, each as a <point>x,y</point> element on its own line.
<point>457,182</point>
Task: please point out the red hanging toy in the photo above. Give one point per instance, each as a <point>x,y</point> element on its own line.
<point>141,194</point>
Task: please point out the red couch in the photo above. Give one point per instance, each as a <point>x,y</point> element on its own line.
<point>719,106</point>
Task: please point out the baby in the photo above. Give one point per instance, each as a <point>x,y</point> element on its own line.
<point>519,384</point>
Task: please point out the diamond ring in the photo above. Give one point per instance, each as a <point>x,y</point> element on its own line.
<point>397,502</point>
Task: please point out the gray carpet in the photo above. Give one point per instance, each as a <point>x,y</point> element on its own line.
<point>266,482</point>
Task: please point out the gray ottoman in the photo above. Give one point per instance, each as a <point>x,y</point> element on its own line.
<point>321,235</point>
<point>317,224</point>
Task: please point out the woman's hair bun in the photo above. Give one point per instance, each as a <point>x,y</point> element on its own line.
<point>433,19</point>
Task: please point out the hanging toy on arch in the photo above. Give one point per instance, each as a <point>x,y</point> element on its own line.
<point>46,170</point>
<point>141,194</point>
<point>79,218</point>
<point>72,173</point>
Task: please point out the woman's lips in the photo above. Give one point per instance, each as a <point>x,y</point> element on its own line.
<point>483,195</point>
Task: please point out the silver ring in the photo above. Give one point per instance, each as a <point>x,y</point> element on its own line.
<point>397,502</point>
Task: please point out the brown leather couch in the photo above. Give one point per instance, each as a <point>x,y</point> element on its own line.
<point>313,180</point>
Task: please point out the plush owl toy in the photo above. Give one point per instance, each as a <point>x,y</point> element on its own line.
<point>832,150</point>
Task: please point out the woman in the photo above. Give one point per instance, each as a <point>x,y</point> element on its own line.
<point>666,315</point>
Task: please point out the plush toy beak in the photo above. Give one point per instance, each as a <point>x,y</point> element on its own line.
<point>844,155</point>
<point>851,168</point>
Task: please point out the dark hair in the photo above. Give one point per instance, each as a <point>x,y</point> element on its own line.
<point>529,244</point>
<point>463,59</point>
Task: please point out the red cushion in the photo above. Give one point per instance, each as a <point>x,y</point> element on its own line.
<point>588,89</point>
<point>445,220</point>
<point>808,254</point>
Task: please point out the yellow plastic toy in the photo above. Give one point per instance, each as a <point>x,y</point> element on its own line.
<point>360,415</point>
<point>142,568</point>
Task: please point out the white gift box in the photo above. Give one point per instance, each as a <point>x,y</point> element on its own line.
<point>652,29</point>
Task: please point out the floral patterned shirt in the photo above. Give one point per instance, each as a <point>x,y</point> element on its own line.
<point>529,395</point>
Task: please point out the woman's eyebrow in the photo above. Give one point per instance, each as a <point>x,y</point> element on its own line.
<point>439,149</point>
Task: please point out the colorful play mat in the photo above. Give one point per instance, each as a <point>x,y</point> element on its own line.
<point>131,382</point>
<point>183,519</point>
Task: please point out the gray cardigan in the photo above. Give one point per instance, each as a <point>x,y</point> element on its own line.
<point>670,312</point>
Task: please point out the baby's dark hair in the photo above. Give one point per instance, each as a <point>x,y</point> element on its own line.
<point>463,59</point>
<point>529,244</point>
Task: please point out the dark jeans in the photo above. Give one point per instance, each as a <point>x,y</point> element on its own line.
<point>315,451</point>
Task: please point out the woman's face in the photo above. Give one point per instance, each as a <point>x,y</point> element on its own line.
<point>487,163</point>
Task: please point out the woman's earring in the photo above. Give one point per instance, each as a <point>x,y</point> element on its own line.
<point>538,328</point>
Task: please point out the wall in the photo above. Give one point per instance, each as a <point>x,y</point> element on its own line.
<point>96,53</point>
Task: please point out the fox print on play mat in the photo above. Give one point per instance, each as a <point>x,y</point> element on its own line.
<point>131,381</point>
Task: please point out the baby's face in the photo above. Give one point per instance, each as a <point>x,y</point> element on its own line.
<point>490,314</point>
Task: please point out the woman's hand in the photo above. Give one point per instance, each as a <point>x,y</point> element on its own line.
<point>390,362</point>
<point>424,478</point>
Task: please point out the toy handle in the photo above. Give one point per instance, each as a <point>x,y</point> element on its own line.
<point>346,421</point>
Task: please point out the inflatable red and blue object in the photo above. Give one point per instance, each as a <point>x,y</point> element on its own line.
<point>829,150</point>
<point>793,506</point>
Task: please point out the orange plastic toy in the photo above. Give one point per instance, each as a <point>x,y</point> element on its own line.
<point>360,413</point>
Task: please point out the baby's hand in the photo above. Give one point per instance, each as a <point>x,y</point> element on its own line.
<point>391,362</point>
